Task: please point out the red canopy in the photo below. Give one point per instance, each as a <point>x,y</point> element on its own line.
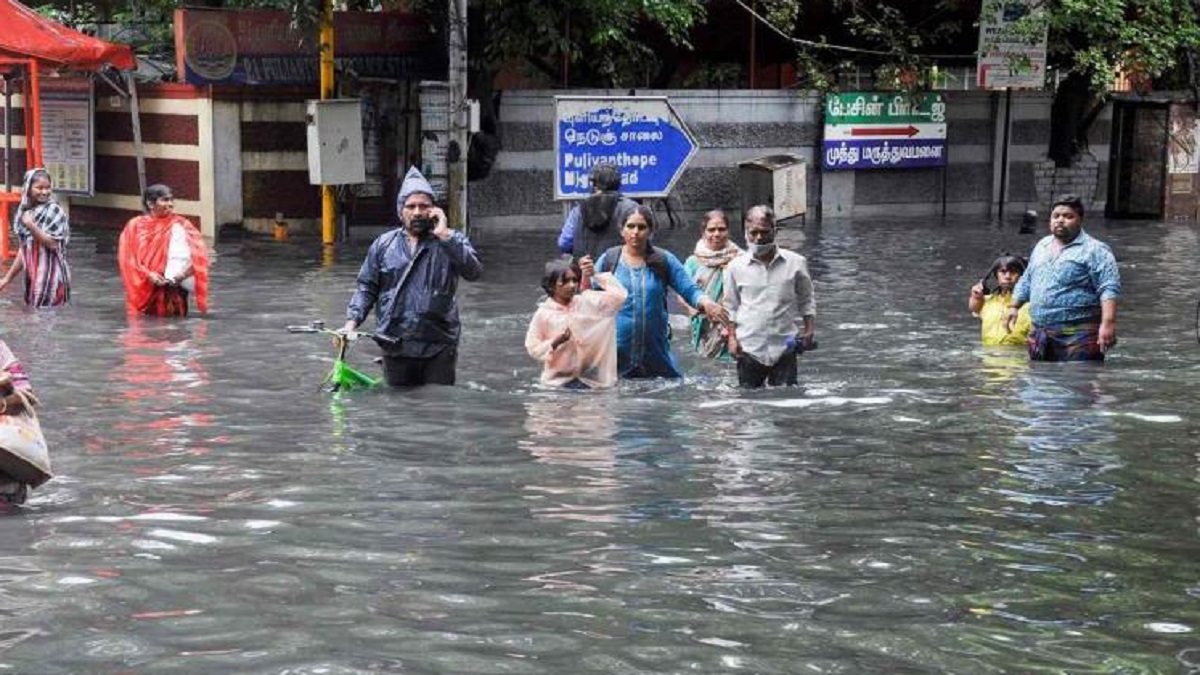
<point>27,34</point>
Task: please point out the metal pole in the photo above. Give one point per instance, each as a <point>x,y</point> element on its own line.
<point>328,210</point>
<point>566,62</point>
<point>4,245</point>
<point>33,108</point>
<point>135,118</point>
<point>457,72</point>
<point>1004,152</point>
<point>7,135</point>
<point>753,45</point>
<point>944,187</point>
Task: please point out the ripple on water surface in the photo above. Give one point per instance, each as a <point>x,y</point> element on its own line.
<point>918,504</point>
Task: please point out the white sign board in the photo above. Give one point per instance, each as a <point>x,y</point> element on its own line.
<point>67,135</point>
<point>1009,59</point>
<point>1182,146</point>
<point>789,186</point>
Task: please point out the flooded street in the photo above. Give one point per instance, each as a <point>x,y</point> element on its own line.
<point>918,505</point>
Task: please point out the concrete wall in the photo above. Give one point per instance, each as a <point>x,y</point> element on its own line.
<point>234,157</point>
<point>730,127</point>
<point>274,176</point>
<point>239,157</point>
<point>171,142</point>
<point>227,161</point>
<point>174,152</point>
<point>734,126</point>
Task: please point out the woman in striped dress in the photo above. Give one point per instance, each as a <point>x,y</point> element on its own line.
<point>42,230</point>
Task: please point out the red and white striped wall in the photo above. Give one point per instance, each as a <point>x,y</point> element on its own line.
<point>233,156</point>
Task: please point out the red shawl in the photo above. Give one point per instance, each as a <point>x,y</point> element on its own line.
<point>143,249</point>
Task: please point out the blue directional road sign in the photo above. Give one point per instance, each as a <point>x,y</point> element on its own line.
<point>641,135</point>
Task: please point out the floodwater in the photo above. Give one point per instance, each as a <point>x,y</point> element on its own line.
<point>917,505</point>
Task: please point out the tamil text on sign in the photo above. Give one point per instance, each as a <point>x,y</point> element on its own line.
<point>884,130</point>
<point>642,136</point>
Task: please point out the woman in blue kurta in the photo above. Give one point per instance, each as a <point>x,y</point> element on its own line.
<point>643,331</point>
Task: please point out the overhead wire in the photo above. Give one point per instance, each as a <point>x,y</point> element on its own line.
<point>841,48</point>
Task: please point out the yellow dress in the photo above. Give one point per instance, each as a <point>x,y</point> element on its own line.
<point>992,315</point>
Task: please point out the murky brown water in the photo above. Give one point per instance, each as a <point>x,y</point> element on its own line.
<point>918,505</point>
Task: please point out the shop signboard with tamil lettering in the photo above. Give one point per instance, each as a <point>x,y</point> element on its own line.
<point>641,135</point>
<point>262,47</point>
<point>884,130</point>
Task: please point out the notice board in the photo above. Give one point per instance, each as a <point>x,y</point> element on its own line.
<point>68,134</point>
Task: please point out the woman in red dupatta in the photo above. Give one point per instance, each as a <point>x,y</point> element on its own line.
<point>163,259</point>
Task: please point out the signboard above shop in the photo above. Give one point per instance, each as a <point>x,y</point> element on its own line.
<point>260,47</point>
<point>641,135</point>
<point>884,130</point>
<point>1008,57</point>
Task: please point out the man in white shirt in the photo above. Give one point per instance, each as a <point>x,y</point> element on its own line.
<point>769,295</point>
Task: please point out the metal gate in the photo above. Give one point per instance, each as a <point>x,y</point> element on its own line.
<point>1138,160</point>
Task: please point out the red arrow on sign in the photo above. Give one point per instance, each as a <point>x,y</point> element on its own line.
<point>909,131</point>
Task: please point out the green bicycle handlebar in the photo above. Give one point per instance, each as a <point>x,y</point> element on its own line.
<point>318,326</point>
<point>343,375</point>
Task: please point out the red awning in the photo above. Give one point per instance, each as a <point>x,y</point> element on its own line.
<point>27,34</point>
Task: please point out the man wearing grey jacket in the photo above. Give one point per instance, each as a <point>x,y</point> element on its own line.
<point>410,278</point>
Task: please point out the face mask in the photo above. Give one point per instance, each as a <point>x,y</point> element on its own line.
<point>757,250</point>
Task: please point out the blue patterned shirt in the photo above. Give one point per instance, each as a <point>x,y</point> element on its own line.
<point>1069,287</point>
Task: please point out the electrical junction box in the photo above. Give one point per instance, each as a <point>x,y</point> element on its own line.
<point>779,181</point>
<point>335,142</point>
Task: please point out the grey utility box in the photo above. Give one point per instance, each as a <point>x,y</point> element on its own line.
<point>779,181</point>
<point>335,142</point>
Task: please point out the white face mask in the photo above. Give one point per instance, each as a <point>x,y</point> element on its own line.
<point>757,250</point>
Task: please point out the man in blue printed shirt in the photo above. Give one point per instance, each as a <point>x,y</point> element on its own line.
<point>1072,285</point>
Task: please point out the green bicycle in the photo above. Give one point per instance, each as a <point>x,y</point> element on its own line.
<point>343,376</point>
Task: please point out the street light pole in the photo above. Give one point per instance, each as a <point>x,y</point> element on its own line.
<point>459,111</point>
<point>328,210</point>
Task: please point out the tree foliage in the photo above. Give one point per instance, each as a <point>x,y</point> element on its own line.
<point>618,43</point>
<point>1097,39</point>
<point>1092,39</point>
<point>595,42</point>
<point>148,25</point>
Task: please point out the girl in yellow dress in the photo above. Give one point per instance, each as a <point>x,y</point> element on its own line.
<point>989,302</point>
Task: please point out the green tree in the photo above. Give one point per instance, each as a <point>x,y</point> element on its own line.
<point>147,25</point>
<point>589,43</point>
<point>618,43</point>
<point>1090,42</point>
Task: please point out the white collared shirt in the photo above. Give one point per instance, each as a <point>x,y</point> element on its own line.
<point>768,302</point>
